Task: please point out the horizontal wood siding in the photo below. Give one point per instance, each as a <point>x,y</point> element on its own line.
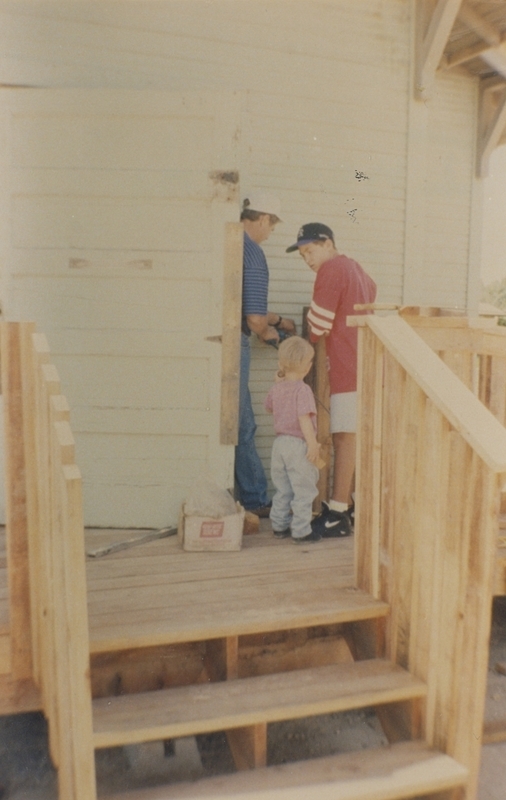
<point>450,185</point>
<point>325,90</point>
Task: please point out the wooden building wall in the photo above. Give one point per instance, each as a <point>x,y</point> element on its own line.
<point>328,122</point>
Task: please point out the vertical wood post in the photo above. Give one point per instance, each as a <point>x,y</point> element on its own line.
<point>231,333</point>
<point>16,506</point>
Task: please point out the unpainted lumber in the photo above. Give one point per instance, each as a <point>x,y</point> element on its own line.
<point>231,333</point>
<point>293,653</point>
<point>129,627</point>
<point>248,746</point>
<point>35,351</point>
<point>147,669</point>
<point>248,702</point>
<point>72,546</point>
<point>475,423</point>
<point>16,502</point>
<point>132,541</point>
<point>368,469</point>
<point>408,769</point>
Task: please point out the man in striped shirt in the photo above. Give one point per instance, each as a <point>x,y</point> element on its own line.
<point>340,284</point>
<point>259,216</point>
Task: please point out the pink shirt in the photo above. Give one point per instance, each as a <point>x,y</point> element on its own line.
<point>287,401</point>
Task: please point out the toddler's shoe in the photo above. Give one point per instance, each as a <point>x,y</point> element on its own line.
<point>332,524</point>
<point>282,534</point>
<point>311,537</point>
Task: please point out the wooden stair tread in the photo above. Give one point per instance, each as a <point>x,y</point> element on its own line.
<point>229,608</point>
<point>407,769</point>
<point>201,708</point>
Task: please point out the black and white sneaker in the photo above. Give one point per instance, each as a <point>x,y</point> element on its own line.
<point>311,537</point>
<point>282,534</point>
<point>332,524</point>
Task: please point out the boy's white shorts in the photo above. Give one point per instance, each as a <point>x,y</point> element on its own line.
<point>343,412</point>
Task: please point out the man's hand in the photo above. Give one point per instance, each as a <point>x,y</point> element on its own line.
<point>288,325</point>
<point>280,323</point>
<point>270,334</point>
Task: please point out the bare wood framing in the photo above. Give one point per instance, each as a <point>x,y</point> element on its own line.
<point>431,44</point>
<point>478,24</point>
<point>231,334</point>
<point>16,505</point>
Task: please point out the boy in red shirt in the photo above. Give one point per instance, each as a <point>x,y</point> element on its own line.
<point>340,284</point>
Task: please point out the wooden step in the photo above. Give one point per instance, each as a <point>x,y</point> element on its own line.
<point>408,769</point>
<point>235,607</point>
<point>201,708</point>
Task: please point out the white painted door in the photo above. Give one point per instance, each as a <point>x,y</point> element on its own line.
<point>113,215</point>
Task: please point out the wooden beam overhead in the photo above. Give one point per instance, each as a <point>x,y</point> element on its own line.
<point>467,54</point>
<point>490,134</point>
<point>433,43</point>
<point>478,25</point>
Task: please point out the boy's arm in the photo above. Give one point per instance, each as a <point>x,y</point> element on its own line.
<point>313,448</point>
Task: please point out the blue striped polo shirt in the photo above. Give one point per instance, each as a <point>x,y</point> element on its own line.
<point>255,281</point>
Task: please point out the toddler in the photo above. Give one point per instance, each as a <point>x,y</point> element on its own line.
<point>295,453</point>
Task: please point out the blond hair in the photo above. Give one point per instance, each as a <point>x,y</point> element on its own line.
<point>292,353</point>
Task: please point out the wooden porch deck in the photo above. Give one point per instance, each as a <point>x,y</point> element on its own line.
<point>157,594</point>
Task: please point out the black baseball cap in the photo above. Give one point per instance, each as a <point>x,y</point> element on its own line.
<point>311,232</point>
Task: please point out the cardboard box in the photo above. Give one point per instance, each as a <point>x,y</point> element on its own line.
<point>200,534</point>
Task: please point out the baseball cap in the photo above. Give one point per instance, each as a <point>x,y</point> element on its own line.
<point>311,232</point>
<point>263,202</point>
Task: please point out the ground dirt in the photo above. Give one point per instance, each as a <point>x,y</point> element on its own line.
<point>26,772</point>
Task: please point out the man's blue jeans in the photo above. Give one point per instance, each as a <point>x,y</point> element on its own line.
<point>249,472</point>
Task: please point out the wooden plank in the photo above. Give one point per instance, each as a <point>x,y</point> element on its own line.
<point>460,363</point>
<point>296,650</point>
<point>433,43</point>
<point>16,503</point>
<point>46,384</point>
<point>393,392</point>
<point>34,540</point>
<point>221,658</point>
<point>323,434</point>
<point>186,710</point>
<point>231,333</point>
<point>475,423</point>
<point>60,720</point>
<point>471,662</point>
<point>368,468</point>
<point>408,769</point>
<point>248,746</point>
<point>18,697</point>
<point>295,607</point>
<point>133,541</point>
<point>432,493</point>
<point>72,543</point>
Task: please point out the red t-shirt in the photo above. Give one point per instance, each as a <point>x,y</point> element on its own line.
<point>340,284</point>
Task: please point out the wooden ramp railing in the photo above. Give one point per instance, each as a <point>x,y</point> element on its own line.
<point>432,461</point>
<point>45,541</point>
<point>431,465</point>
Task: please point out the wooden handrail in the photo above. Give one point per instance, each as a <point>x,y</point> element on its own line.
<point>49,545</point>
<point>458,404</point>
<point>431,461</point>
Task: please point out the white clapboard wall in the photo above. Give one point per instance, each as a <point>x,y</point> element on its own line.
<point>327,121</point>
<point>115,247</point>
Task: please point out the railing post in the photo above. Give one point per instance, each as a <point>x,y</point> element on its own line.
<point>16,501</point>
